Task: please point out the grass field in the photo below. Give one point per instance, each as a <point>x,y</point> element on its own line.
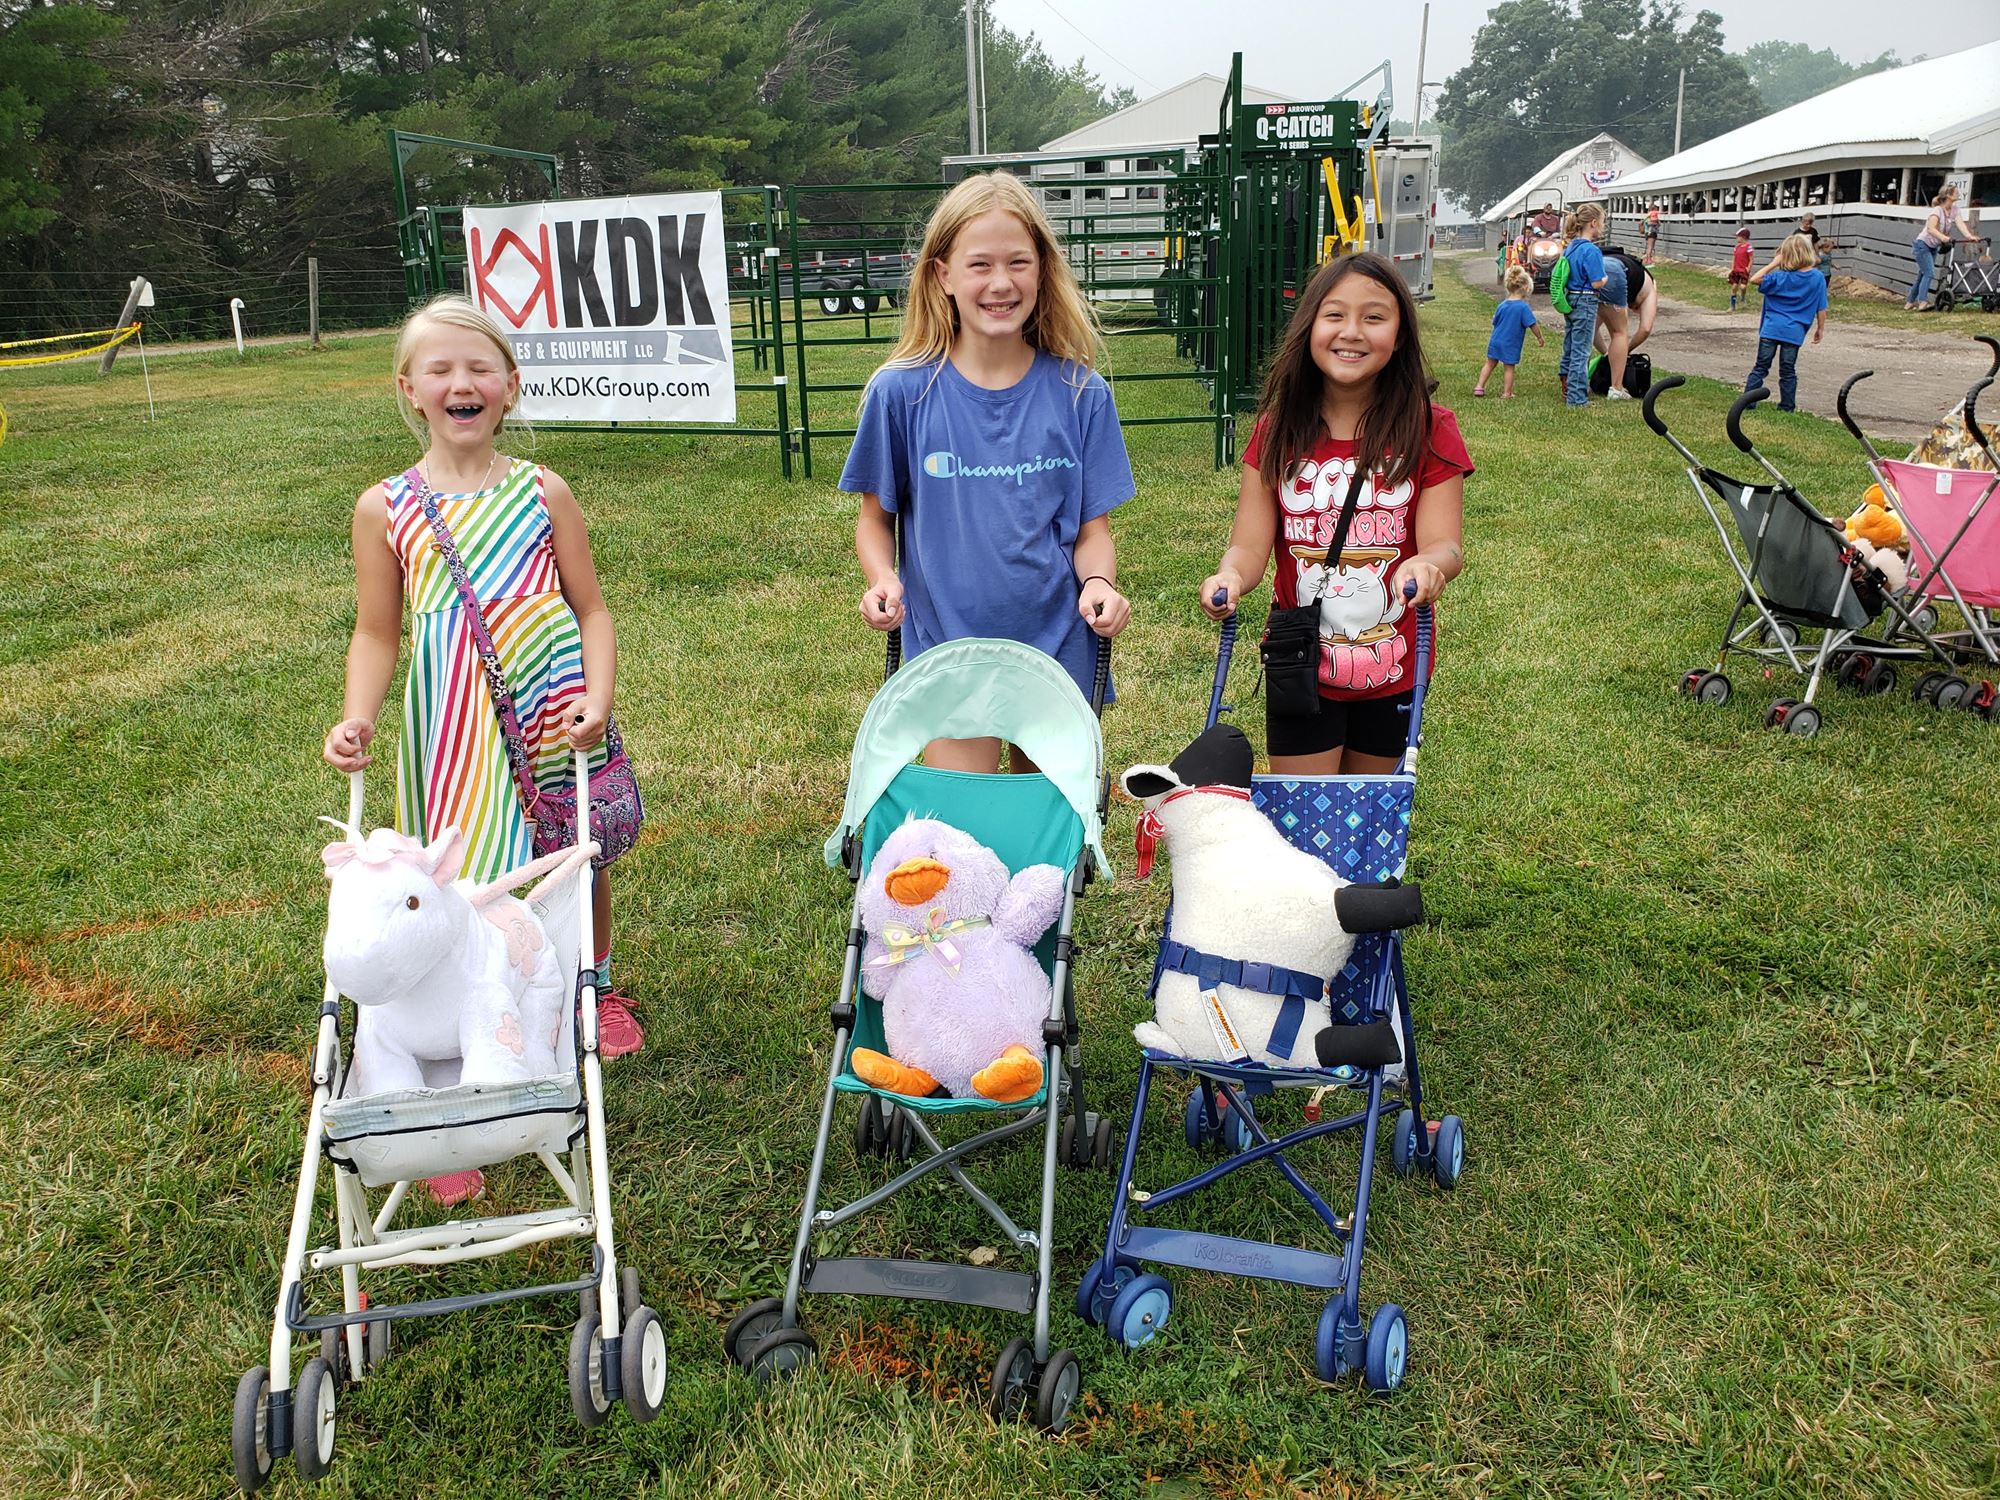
<point>1720,1008</point>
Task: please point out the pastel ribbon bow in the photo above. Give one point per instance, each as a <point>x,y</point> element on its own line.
<point>935,934</point>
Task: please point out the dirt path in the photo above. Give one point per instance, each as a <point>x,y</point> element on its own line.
<point>1918,376</point>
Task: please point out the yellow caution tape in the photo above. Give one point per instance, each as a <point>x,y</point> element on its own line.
<point>117,337</point>
<point>3,424</point>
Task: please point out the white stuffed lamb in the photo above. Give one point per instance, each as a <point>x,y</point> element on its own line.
<point>454,982</point>
<point>1241,892</point>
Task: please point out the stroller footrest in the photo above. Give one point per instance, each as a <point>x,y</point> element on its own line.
<point>927,1280</point>
<point>1235,1257</point>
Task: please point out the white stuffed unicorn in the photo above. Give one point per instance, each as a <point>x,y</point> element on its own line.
<point>454,982</point>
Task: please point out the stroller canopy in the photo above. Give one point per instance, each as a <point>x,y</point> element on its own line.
<point>967,689</point>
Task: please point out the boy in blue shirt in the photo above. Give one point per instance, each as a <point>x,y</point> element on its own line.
<point>1794,303</point>
<point>1511,321</point>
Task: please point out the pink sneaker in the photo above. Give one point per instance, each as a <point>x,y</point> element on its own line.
<point>459,1187</point>
<point>618,1032</point>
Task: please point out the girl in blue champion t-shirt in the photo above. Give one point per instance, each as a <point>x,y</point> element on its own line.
<point>992,438</point>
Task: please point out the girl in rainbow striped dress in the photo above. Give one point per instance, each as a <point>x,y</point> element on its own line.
<point>522,539</point>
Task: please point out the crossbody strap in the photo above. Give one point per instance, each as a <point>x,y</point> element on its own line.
<point>489,657</point>
<point>1340,528</point>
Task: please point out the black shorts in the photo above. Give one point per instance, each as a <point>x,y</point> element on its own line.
<point>1369,726</point>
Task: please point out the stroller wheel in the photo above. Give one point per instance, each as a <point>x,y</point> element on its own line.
<point>250,1429</point>
<point>1056,1391</point>
<point>1927,685</point>
<point>1007,1387</point>
<point>642,1356</point>
<point>586,1372</point>
<point>1237,1136</point>
<point>315,1420</point>
<point>869,1135</point>
<point>1775,714</point>
<point>1952,692</point>
<point>782,1354</point>
<point>1097,1291</point>
<point>1879,678</point>
<point>1925,618</point>
<point>1101,1141</point>
<point>1448,1151</point>
<point>1852,669</point>
<point>1403,1144</point>
<point>1713,688</point>
<point>1330,1345</point>
<point>1140,1311</point>
<point>899,1140</point>
<point>1388,1349</point>
<point>1195,1123</point>
<point>751,1327</point>
<point>1802,720</point>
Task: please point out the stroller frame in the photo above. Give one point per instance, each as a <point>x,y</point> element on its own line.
<point>1767,631</point>
<point>766,1337</point>
<point>274,1417</point>
<point>1979,640</point>
<point>1132,1307</point>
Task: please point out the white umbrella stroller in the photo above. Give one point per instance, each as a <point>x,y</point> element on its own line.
<point>539,1091</point>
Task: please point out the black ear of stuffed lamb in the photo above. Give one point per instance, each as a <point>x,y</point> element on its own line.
<point>1148,781</point>
<point>1382,907</point>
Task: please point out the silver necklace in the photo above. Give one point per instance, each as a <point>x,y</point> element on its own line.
<point>484,482</point>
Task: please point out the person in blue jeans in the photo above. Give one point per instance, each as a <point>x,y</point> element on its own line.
<point>1587,281</point>
<point>1794,302</point>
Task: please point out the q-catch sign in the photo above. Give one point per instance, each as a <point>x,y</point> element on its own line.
<point>617,308</point>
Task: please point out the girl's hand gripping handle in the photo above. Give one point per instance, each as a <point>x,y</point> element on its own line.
<point>882,604</point>
<point>346,747</point>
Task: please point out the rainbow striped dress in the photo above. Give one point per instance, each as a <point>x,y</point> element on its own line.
<point>451,766</point>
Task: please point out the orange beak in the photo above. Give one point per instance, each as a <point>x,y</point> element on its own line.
<point>915,881</point>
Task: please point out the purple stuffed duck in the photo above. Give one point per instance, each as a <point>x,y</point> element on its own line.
<point>949,935</point>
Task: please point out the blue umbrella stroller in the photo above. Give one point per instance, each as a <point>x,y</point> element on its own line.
<point>1359,826</point>
<point>960,690</point>
<point>398,1137</point>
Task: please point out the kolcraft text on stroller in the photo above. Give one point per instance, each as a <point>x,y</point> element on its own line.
<point>1359,826</point>
<point>960,690</point>
<point>396,1137</point>
<point>1954,531</point>
<point>1797,573</point>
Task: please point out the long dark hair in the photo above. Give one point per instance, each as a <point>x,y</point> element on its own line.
<point>1396,428</point>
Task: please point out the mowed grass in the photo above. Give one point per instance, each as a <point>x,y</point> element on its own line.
<point>1718,1006</point>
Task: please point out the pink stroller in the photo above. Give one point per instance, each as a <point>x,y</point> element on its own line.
<point>1954,529</point>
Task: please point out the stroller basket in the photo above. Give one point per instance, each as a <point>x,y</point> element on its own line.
<point>400,1134</point>
<point>1794,557</point>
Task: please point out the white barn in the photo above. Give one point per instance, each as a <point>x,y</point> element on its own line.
<point>1594,169</point>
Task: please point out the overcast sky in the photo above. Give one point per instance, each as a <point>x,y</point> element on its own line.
<point>1308,49</point>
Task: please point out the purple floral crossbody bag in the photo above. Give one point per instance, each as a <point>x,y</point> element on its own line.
<point>615,809</point>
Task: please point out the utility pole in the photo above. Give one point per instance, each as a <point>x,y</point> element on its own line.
<point>975,77</point>
<point>1680,93</point>
<point>1423,44</point>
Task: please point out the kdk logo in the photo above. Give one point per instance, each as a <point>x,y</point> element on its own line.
<point>617,272</point>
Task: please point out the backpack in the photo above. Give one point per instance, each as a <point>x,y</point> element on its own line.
<point>1638,375</point>
<point>1559,285</point>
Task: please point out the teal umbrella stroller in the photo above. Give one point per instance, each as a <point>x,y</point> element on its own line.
<point>961,690</point>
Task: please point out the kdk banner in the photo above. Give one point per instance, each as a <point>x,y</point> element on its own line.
<point>617,308</point>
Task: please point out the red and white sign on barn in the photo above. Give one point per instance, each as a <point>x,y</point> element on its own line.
<point>617,308</point>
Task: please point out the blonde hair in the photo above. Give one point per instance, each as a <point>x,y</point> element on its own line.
<point>1519,283</point>
<point>1581,218</point>
<point>1062,322</point>
<point>1797,253</point>
<point>452,311</point>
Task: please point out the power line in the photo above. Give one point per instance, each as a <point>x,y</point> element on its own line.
<point>1099,45</point>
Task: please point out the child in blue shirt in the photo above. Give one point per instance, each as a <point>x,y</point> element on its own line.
<point>1587,281</point>
<point>1511,321</point>
<point>1794,302</point>
<point>992,438</point>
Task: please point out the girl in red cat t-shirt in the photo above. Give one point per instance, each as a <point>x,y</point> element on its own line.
<point>1348,388</point>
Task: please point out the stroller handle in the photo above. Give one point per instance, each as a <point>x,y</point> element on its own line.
<point>1653,394</point>
<point>1840,404</point>
<point>1993,344</point>
<point>355,785</point>
<point>1743,403</point>
<point>1972,418</point>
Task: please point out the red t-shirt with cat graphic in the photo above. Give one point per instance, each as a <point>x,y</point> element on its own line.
<point>1368,640</point>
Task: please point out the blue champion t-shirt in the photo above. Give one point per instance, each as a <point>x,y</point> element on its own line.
<point>1511,321</point>
<point>1792,299</point>
<point>992,488</point>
